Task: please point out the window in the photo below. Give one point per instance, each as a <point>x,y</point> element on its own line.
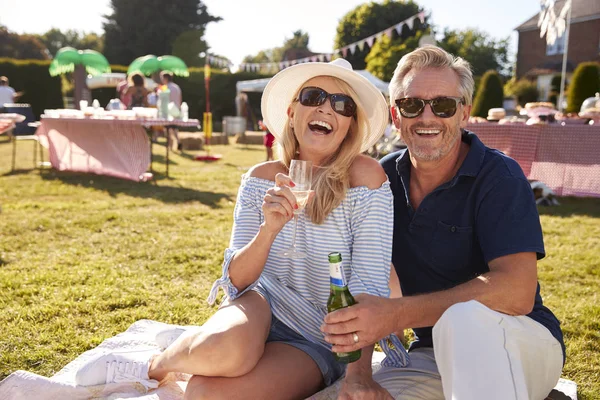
<point>558,47</point>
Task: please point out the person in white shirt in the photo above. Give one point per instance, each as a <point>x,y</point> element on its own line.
<point>7,94</point>
<point>166,78</point>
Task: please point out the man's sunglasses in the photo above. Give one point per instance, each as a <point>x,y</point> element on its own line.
<point>340,103</point>
<point>443,107</point>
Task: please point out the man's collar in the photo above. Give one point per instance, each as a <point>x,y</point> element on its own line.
<point>470,166</point>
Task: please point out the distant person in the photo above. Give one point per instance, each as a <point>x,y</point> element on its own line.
<point>268,140</point>
<point>166,79</point>
<point>137,91</point>
<point>7,94</point>
<point>121,90</point>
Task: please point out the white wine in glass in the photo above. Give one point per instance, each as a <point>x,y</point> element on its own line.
<point>301,175</point>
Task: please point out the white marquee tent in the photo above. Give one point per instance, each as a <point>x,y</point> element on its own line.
<point>258,85</point>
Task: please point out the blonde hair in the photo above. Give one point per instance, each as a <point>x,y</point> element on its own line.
<point>432,57</point>
<point>331,179</point>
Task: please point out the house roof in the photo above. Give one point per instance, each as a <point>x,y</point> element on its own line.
<point>582,10</point>
<point>549,68</point>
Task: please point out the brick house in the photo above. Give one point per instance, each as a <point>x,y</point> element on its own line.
<point>538,61</point>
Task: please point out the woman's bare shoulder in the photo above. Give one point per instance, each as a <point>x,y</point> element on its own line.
<point>267,170</point>
<point>366,171</point>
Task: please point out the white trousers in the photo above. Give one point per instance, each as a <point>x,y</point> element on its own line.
<point>480,354</point>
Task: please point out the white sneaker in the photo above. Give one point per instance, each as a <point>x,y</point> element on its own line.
<point>167,336</point>
<point>117,367</point>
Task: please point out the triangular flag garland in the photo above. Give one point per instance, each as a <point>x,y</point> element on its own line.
<point>276,66</point>
<point>218,61</point>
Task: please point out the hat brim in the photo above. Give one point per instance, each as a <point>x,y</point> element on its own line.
<point>280,90</point>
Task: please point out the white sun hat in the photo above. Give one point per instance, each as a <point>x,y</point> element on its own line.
<point>279,92</point>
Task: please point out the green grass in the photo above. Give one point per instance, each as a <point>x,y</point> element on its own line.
<point>82,257</point>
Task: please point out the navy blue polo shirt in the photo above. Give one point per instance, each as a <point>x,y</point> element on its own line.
<point>487,210</point>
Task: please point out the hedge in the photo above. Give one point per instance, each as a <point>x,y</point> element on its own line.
<point>585,83</point>
<point>490,94</point>
<point>31,76</point>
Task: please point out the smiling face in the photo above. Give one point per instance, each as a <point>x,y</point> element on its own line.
<point>319,130</point>
<point>428,137</point>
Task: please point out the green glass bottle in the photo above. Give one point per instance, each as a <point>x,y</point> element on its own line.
<point>340,297</point>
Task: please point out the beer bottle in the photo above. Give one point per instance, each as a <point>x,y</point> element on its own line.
<point>340,297</point>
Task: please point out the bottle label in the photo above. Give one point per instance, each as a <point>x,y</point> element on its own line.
<point>336,274</point>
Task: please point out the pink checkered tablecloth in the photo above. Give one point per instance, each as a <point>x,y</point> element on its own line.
<point>566,158</point>
<point>118,148</point>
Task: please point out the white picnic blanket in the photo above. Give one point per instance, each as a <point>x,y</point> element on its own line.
<point>23,385</point>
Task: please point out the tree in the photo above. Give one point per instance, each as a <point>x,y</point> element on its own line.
<point>293,48</point>
<point>489,95</point>
<point>585,83</point>
<point>55,39</point>
<point>139,27</point>
<point>385,54</point>
<point>13,45</point>
<point>483,52</point>
<point>369,19</point>
<point>188,46</point>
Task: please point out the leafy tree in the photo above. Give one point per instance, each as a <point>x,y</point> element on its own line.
<point>483,52</point>
<point>297,44</point>
<point>371,18</point>
<point>188,46</point>
<point>385,54</point>
<point>55,39</point>
<point>585,83</point>
<point>13,45</point>
<point>489,95</point>
<point>139,27</point>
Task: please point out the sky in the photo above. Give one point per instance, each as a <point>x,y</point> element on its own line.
<point>249,26</point>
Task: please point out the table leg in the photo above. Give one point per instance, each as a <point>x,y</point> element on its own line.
<point>168,145</point>
<point>151,154</point>
<point>14,151</point>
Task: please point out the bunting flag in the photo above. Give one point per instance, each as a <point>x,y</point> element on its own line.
<point>218,61</point>
<point>409,22</point>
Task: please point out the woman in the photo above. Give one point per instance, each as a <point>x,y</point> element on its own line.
<point>264,341</point>
<point>137,93</point>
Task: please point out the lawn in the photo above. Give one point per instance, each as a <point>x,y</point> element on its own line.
<point>82,257</point>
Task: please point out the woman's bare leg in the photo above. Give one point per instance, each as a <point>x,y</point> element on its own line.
<point>283,372</point>
<point>229,344</point>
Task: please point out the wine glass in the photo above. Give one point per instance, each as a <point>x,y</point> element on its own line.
<point>301,175</point>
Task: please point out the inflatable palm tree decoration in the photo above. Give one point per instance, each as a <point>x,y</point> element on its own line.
<point>80,62</point>
<point>150,64</point>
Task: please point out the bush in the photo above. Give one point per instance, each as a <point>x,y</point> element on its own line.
<point>31,76</point>
<point>490,94</point>
<point>524,90</point>
<point>585,83</point>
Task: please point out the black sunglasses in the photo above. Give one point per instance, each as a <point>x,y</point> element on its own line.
<point>443,107</point>
<point>340,103</point>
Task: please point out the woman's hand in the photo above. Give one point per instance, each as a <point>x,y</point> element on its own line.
<point>279,204</point>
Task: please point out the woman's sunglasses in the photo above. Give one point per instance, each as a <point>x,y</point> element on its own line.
<point>443,107</point>
<point>340,103</point>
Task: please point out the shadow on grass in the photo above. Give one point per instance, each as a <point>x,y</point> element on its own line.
<point>573,206</point>
<point>148,190</point>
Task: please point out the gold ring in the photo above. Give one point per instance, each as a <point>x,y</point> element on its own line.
<point>355,337</point>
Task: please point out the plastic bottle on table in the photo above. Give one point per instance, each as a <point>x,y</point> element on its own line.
<point>184,111</point>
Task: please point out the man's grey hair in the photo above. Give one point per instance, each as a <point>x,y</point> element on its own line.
<point>432,57</point>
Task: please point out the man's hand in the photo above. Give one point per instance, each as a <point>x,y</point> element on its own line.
<point>362,388</point>
<point>371,319</point>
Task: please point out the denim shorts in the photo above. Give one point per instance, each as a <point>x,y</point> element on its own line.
<point>330,368</point>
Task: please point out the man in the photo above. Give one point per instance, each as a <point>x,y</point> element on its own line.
<point>166,78</point>
<point>7,94</point>
<point>467,238</point>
